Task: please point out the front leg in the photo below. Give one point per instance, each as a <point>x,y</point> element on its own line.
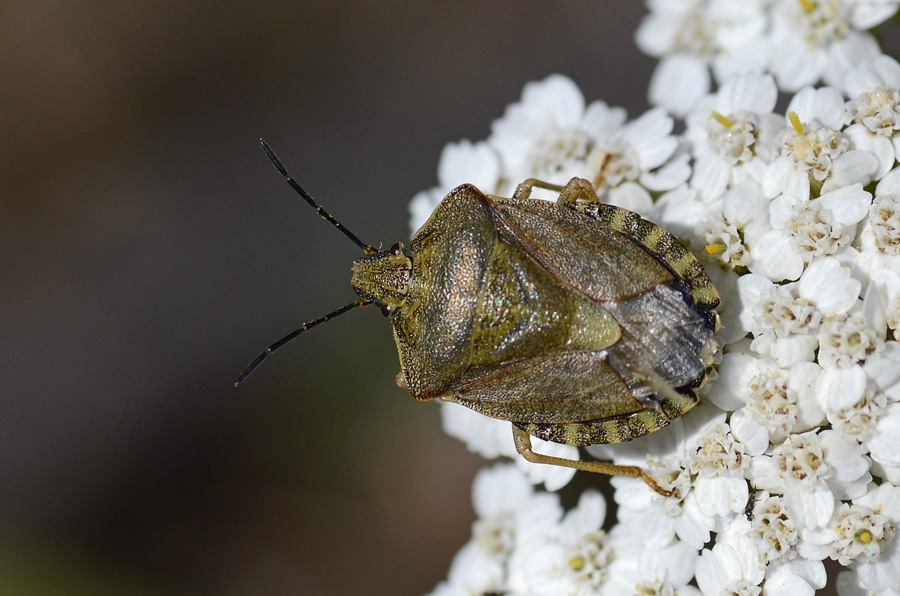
<point>523,190</point>
<point>575,189</point>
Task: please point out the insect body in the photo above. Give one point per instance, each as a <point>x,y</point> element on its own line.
<point>578,322</point>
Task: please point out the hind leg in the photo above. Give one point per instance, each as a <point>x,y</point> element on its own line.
<point>523,446</point>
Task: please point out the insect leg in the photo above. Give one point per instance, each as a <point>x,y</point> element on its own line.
<point>575,189</point>
<point>523,190</point>
<point>523,446</point>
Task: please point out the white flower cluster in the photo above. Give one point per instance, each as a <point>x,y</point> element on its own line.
<point>523,543</point>
<point>793,456</point>
<point>801,42</point>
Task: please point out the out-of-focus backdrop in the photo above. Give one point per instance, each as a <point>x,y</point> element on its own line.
<point>148,251</point>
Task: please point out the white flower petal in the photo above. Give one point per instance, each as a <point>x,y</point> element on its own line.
<point>488,437</point>
<point>840,388</point>
<point>656,33</point>
<point>678,82</point>
<point>802,381</point>
<point>882,573</point>
<point>867,15</point>
<point>848,52</point>
<point>848,205</point>
<point>884,446</point>
<point>736,371</point>
<point>782,208</point>
<point>793,350</point>
<point>671,175</point>
<point>745,204</point>
<point>602,120</point>
<point>828,286</point>
<point>824,105</point>
<point>422,206</point>
<point>750,290</point>
<point>783,177</point>
<point>717,569</point>
<point>711,175</point>
<point>878,146</point>
<point>751,57</point>
<point>558,96</point>
<point>476,163</point>
<point>721,495</point>
<point>811,508</point>
<point>748,431</point>
<point>852,167</point>
<point>883,499</point>
<point>499,488</point>
<point>693,526</point>
<point>631,196</point>
<point>845,456</point>
<point>795,578</point>
<point>680,210</point>
<point>474,572</point>
<point>649,136</point>
<point>890,184</point>
<point>674,564</point>
<point>883,71</point>
<point>797,65</point>
<point>774,256</point>
<point>884,368</point>
<point>750,92</point>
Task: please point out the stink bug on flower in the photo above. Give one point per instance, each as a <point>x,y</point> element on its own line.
<point>578,322</point>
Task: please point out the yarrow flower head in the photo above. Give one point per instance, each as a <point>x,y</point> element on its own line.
<point>732,133</point>
<point>552,135</point>
<point>791,458</point>
<point>692,37</point>
<point>800,42</point>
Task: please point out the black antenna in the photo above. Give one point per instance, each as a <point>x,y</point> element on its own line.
<point>290,336</point>
<point>369,250</point>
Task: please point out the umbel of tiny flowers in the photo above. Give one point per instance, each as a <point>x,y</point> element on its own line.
<point>792,458</point>
<point>800,42</point>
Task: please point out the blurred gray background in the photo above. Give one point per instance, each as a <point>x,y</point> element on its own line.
<point>149,251</point>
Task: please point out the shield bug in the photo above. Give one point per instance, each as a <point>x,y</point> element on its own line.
<point>579,322</point>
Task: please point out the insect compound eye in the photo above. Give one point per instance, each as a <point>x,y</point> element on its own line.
<point>387,309</point>
<point>397,249</point>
